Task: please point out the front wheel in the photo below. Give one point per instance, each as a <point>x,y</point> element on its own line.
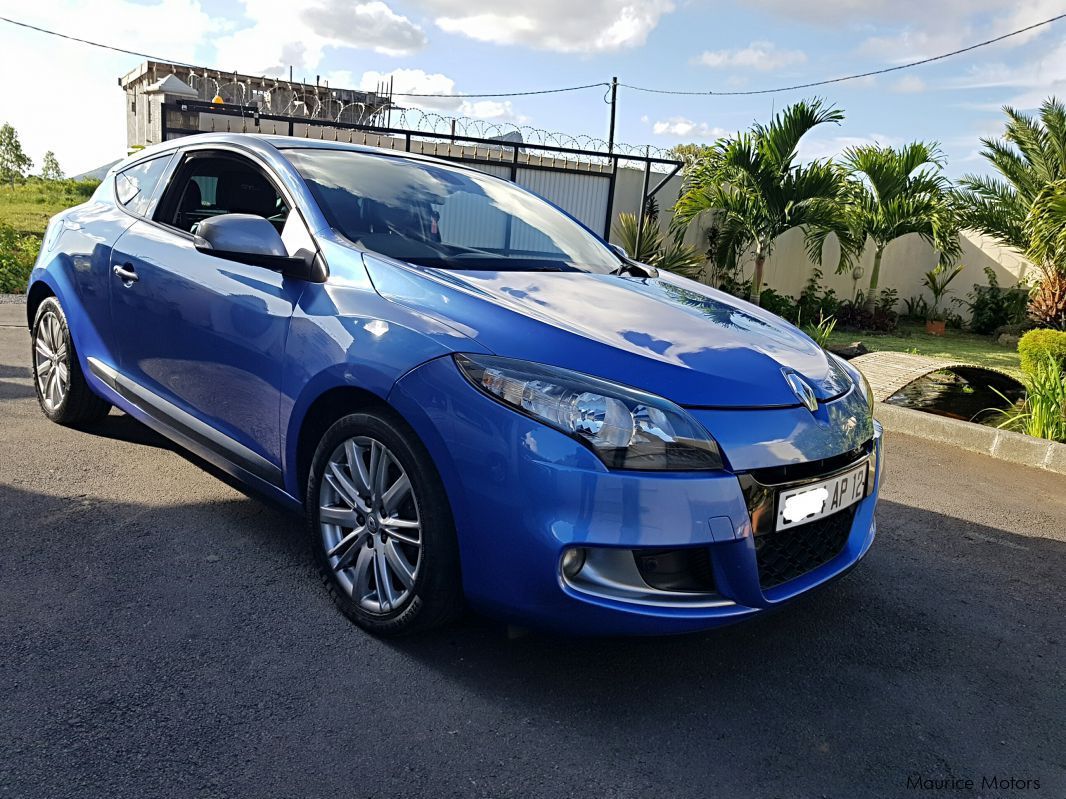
<point>381,527</point>
<point>62,391</point>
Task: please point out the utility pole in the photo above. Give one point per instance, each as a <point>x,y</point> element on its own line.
<point>614,107</point>
<point>643,202</point>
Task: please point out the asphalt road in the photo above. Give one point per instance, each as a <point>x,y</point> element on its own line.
<point>162,634</point>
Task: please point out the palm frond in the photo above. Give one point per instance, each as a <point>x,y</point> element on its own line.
<point>640,248</point>
<point>994,208</point>
<point>780,139</point>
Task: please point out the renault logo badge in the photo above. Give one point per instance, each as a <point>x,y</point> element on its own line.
<point>804,393</point>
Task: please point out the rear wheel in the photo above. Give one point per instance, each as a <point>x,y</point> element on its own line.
<point>381,527</point>
<point>63,393</point>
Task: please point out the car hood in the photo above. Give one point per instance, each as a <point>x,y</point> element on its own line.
<point>674,337</point>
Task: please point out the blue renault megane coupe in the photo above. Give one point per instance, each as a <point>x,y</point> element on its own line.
<point>470,396</point>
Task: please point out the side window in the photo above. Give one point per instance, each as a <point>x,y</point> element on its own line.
<point>135,186</point>
<point>209,184</point>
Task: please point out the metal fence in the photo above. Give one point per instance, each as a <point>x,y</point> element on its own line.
<point>580,181</point>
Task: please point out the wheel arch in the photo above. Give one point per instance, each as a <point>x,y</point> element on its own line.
<point>38,293</point>
<point>322,412</point>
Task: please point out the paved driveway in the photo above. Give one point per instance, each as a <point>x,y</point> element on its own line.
<point>161,634</point>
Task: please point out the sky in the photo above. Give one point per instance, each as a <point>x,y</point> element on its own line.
<point>64,96</point>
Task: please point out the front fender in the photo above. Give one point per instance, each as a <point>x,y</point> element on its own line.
<point>350,336</point>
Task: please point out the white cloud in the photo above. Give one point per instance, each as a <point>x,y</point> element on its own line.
<point>47,78</point>
<point>277,34</point>
<point>812,147</point>
<point>1025,83</point>
<point>763,56</point>
<point>559,25</point>
<point>368,25</point>
<point>686,128</point>
<point>905,30</point>
<point>909,84</point>
<point>422,82</point>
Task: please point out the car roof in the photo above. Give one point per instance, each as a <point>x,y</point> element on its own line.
<point>264,142</point>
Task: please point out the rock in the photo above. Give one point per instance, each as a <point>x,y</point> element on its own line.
<point>1007,340</point>
<point>848,351</point>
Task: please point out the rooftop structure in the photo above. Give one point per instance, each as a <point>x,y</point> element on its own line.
<point>154,82</point>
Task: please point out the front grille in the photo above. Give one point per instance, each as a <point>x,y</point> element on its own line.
<point>806,470</point>
<point>787,554</point>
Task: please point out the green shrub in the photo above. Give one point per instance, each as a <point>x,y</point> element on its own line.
<point>777,303</point>
<point>822,330</point>
<point>1036,346</point>
<point>916,308</point>
<point>815,302</point>
<point>853,315</point>
<point>1042,413</point>
<point>992,306</point>
<point>18,251</point>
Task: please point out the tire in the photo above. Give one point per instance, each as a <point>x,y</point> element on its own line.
<point>62,391</point>
<point>357,530</point>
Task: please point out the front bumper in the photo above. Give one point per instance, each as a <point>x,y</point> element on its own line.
<point>522,493</point>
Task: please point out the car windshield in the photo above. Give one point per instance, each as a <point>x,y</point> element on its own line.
<point>439,216</point>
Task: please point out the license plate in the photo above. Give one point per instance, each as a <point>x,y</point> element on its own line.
<point>796,506</point>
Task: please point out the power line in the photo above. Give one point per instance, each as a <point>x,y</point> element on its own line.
<point>94,44</point>
<point>508,94</point>
<point>851,77</point>
<point>398,94</point>
<point>646,89</point>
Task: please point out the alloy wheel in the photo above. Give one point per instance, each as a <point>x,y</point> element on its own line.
<point>370,526</point>
<point>51,360</point>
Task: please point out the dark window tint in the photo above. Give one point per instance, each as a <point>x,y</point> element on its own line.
<point>211,185</point>
<point>134,186</point>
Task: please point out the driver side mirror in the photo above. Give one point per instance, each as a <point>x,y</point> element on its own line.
<point>251,239</point>
<point>620,251</point>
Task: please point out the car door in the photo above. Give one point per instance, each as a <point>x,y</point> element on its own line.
<point>203,338</point>
<point>87,233</point>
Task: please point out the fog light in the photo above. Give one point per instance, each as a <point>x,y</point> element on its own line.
<point>573,561</point>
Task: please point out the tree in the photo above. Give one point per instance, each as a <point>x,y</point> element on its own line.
<point>689,154</point>
<point>50,167</point>
<point>758,188</point>
<point>896,192</point>
<point>1025,208</point>
<point>14,163</point>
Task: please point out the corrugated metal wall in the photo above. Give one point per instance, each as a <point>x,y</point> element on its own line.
<point>477,224</point>
<point>583,196</point>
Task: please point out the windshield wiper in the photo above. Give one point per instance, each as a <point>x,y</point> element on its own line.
<point>635,269</point>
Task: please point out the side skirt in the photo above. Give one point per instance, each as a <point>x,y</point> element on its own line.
<point>185,429</point>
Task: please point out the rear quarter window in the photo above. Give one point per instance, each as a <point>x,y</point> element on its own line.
<point>135,185</point>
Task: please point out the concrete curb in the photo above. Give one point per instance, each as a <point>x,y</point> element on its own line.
<point>1000,444</point>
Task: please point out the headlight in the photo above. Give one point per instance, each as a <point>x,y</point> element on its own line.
<point>626,428</point>
<point>858,378</point>
<point>867,389</point>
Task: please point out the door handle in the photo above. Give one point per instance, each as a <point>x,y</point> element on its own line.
<point>125,273</point>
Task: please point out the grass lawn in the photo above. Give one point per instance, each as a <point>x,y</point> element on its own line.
<point>28,206</point>
<point>955,344</point>
<point>24,213</point>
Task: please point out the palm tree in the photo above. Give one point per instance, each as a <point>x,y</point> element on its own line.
<point>1025,207</point>
<point>653,247</point>
<point>754,182</point>
<point>895,192</point>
